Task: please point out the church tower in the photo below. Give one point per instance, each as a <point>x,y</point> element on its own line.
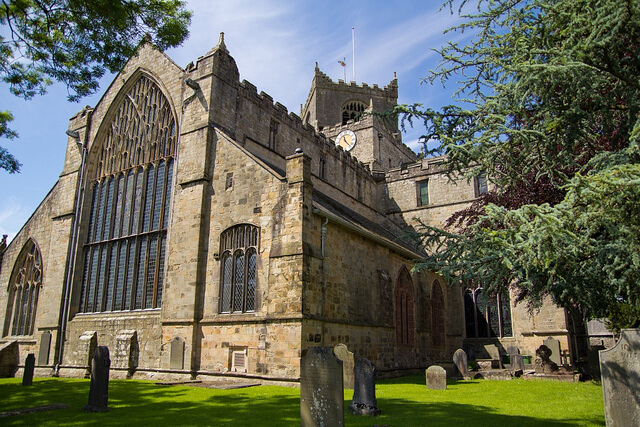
<point>338,109</point>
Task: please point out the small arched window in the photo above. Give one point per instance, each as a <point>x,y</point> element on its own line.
<point>238,264</point>
<point>352,110</point>
<point>404,318</point>
<point>437,316</point>
<point>24,290</point>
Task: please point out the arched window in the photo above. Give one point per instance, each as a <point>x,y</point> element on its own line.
<point>129,195</point>
<point>239,249</point>
<point>437,316</point>
<point>351,110</point>
<point>487,316</point>
<point>404,318</point>
<point>24,290</point>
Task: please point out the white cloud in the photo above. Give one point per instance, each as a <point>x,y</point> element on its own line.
<point>13,215</point>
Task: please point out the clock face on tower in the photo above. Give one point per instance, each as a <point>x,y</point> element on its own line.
<point>346,139</point>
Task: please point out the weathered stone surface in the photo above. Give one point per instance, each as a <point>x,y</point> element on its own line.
<point>554,345</point>
<point>364,396</point>
<point>99,389</point>
<point>342,352</point>
<point>126,352</point>
<point>177,354</point>
<point>620,369</point>
<point>517,363</point>
<point>29,365</point>
<point>45,347</point>
<point>321,388</point>
<point>436,378</point>
<point>461,363</point>
<point>543,362</point>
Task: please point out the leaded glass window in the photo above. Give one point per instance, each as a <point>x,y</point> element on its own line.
<point>238,265</point>
<point>131,185</point>
<point>24,290</point>
<point>487,316</point>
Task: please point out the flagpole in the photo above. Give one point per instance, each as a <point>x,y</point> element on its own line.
<point>353,47</point>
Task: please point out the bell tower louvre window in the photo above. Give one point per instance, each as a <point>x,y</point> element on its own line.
<point>129,195</point>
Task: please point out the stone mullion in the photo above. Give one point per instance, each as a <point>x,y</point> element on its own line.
<point>154,301</point>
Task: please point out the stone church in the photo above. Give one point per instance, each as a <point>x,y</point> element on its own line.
<point>200,229</point>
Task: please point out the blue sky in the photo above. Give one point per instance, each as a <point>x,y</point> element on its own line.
<point>276,44</point>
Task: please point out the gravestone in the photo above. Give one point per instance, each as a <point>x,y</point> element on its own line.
<point>461,363</point>
<point>176,360</point>
<point>342,352</point>
<point>45,347</point>
<point>554,346</point>
<point>321,388</point>
<point>512,349</point>
<point>126,352</point>
<point>436,378</point>
<point>543,362</point>
<point>494,354</point>
<point>620,369</point>
<point>364,394</point>
<point>29,364</point>
<point>99,388</point>
<point>517,364</point>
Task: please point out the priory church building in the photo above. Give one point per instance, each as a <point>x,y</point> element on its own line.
<point>199,228</point>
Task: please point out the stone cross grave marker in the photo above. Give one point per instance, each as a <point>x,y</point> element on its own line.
<point>342,352</point>
<point>436,378</point>
<point>554,346</point>
<point>364,394</point>
<point>29,365</point>
<point>99,388</point>
<point>620,369</point>
<point>45,346</point>
<point>461,363</point>
<point>321,388</point>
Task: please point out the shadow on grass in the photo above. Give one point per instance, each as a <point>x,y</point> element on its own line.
<point>144,402</point>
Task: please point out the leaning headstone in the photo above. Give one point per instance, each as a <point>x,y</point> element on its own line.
<point>517,364</point>
<point>436,378</point>
<point>512,349</point>
<point>620,369</point>
<point>29,364</point>
<point>45,347</point>
<point>554,346</point>
<point>342,352</point>
<point>364,393</point>
<point>176,358</point>
<point>461,363</point>
<point>99,389</point>
<point>321,388</point>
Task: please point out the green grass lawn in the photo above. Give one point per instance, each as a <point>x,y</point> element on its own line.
<point>404,402</point>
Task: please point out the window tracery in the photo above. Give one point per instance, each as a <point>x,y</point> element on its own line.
<point>487,316</point>
<point>130,198</point>
<point>351,111</point>
<point>25,289</point>
<point>239,249</point>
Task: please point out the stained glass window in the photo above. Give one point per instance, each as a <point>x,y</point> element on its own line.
<point>131,192</point>
<point>487,316</point>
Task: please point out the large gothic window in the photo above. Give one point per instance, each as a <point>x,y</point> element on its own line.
<point>129,198</point>
<point>24,290</point>
<point>239,249</point>
<point>404,318</point>
<point>487,316</point>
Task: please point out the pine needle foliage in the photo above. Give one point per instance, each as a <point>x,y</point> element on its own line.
<point>551,92</point>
